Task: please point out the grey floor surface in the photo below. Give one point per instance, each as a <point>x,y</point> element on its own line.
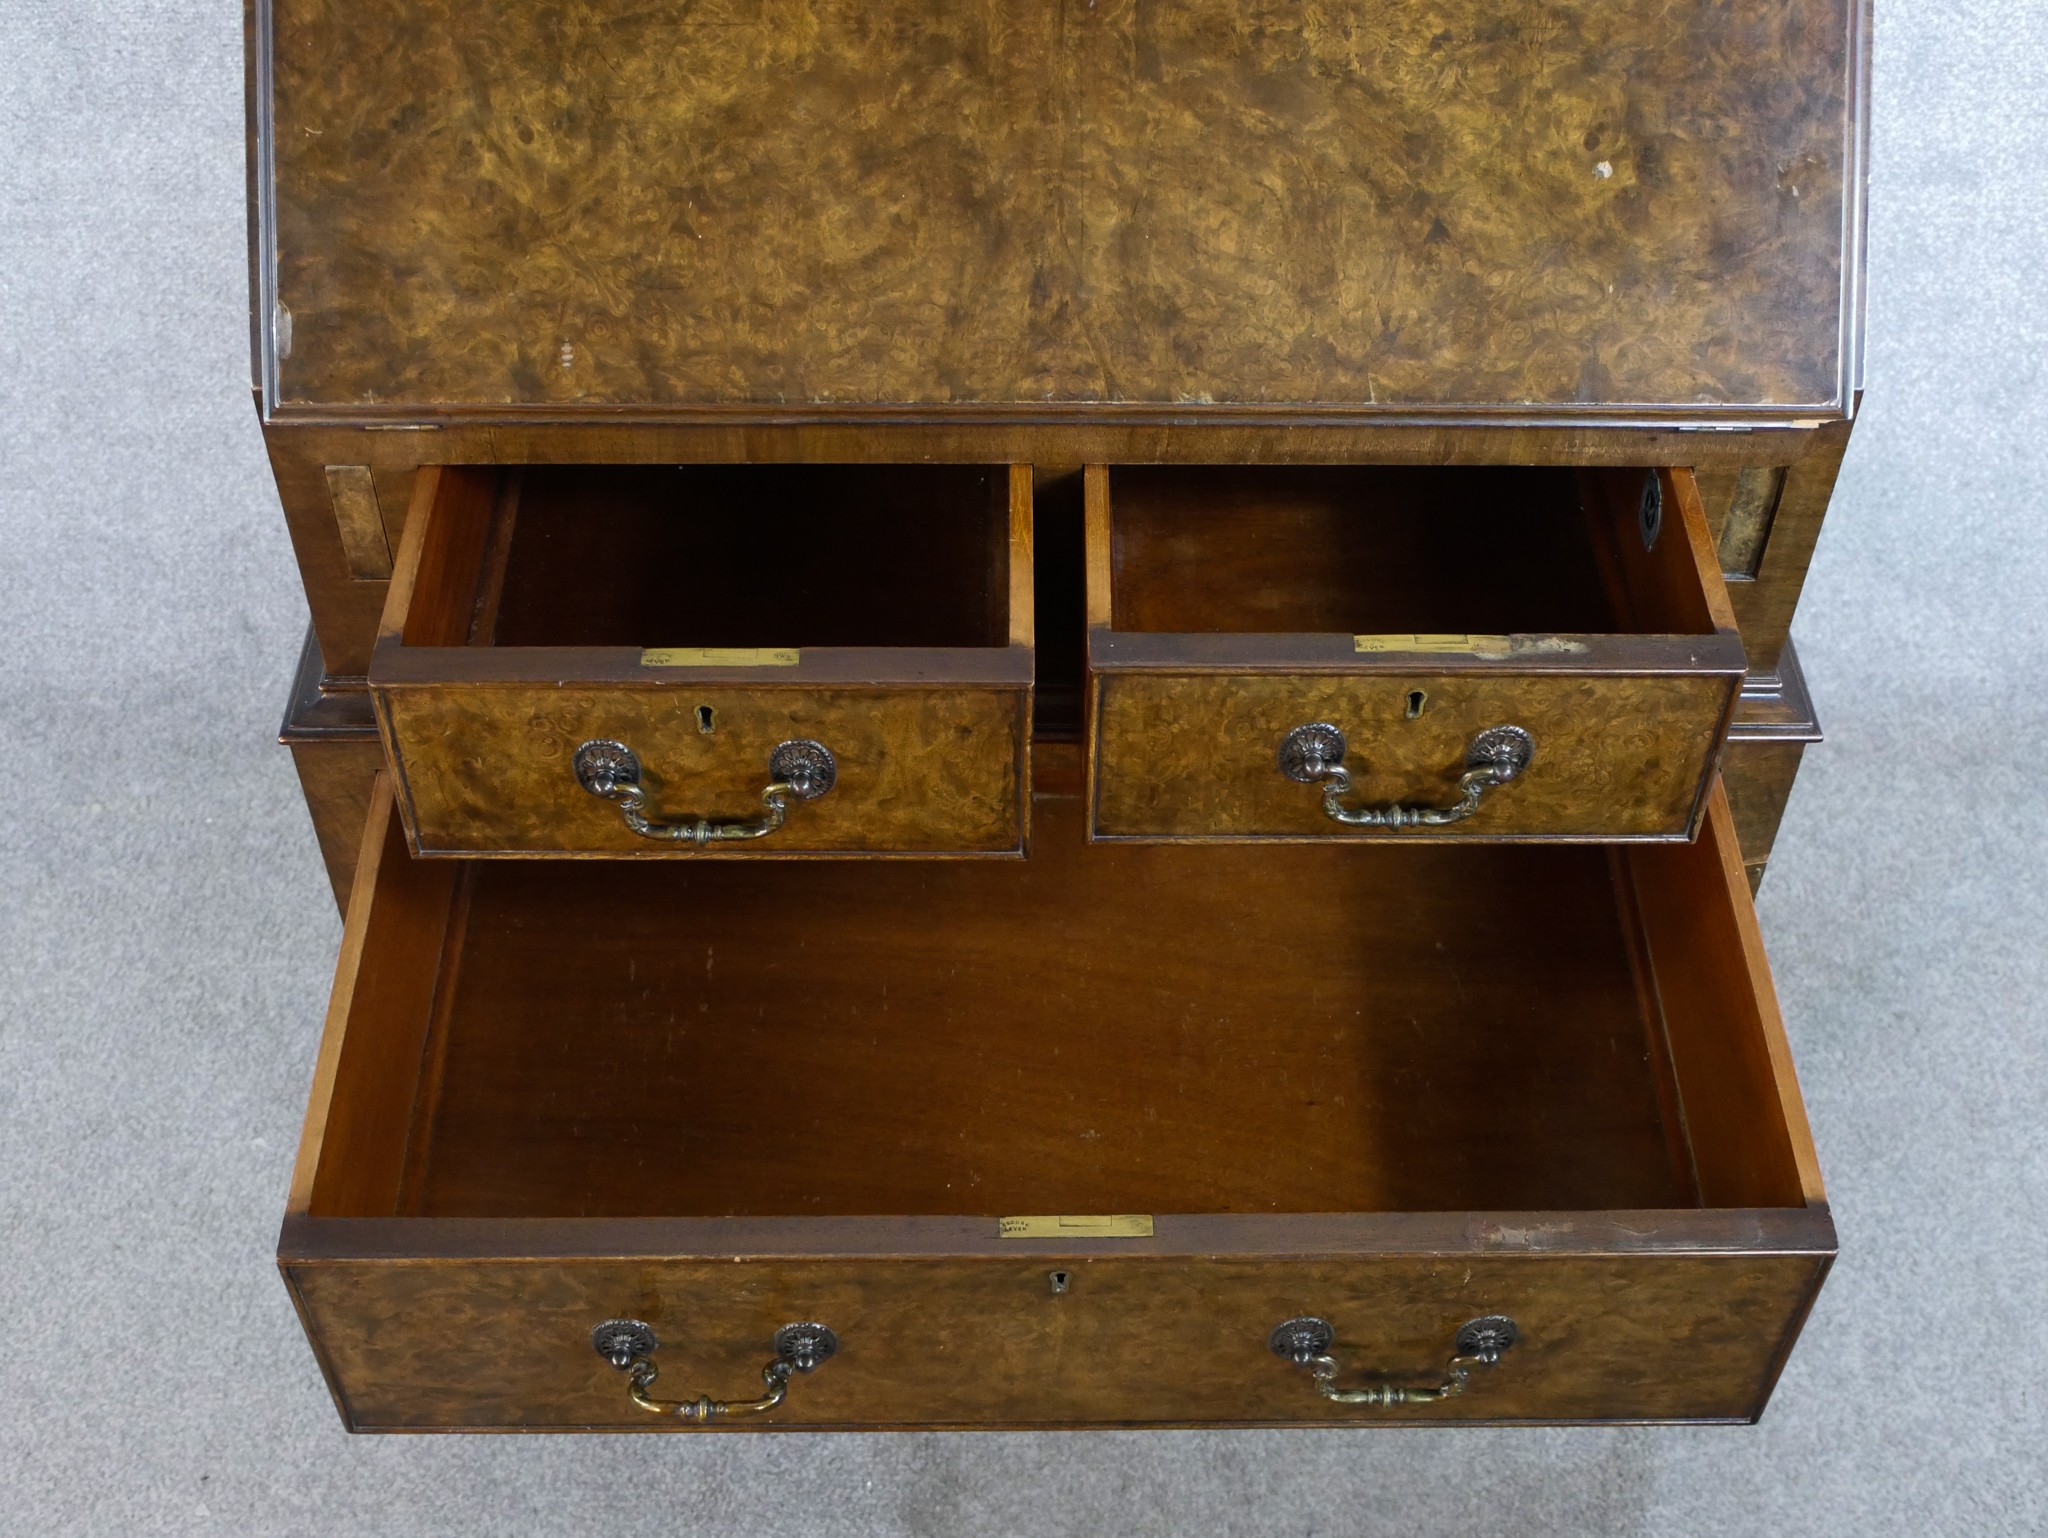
<point>166,934</point>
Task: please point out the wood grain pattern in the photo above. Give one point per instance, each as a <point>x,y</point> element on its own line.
<point>1648,1336</point>
<point>353,491</point>
<point>1764,605</point>
<point>1740,506</point>
<point>1670,582</point>
<point>931,731</point>
<point>486,769</point>
<point>434,581</point>
<point>335,778</point>
<point>1758,778</point>
<point>1196,1003</point>
<point>1149,1088</point>
<point>1348,549</point>
<point>807,231</point>
<point>759,555</point>
<point>1628,714</point>
<point>345,611</point>
<point>786,207</point>
<point>1099,535</point>
<point>352,1145</point>
<point>1193,757</point>
<point>1637,1314</point>
<point>332,734</point>
<point>1020,559</point>
<point>1720,1011</point>
<point>1774,724</point>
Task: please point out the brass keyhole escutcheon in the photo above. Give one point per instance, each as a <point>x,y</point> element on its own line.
<point>1058,1281</point>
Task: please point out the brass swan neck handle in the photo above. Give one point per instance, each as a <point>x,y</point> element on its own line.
<point>1479,1343</point>
<point>629,1345</point>
<point>799,770</point>
<point>1313,754</point>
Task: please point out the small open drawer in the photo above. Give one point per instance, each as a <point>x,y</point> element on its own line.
<point>758,659</point>
<point>1500,653</point>
<point>1064,1142</point>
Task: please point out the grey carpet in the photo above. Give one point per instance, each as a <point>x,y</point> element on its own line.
<point>167,935</point>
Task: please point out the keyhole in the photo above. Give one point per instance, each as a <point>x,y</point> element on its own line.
<point>704,720</point>
<point>1059,1281</point>
<point>1416,700</point>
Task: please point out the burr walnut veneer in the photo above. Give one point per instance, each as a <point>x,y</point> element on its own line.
<point>702,616</point>
<point>1053,715</point>
<point>1414,609</point>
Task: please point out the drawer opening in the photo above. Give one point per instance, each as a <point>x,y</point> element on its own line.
<point>726,556</point>
<point>1386,550</point>
<point>1104,1028</point>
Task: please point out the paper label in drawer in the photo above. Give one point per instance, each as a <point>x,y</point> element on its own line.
<point>1117,1225</point>
<point>719,657</point>
<point>1453,645</point>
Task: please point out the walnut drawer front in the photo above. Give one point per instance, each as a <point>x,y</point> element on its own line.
<point>1462,653</point>
<point>623,660</point>
<point>719,1099</point>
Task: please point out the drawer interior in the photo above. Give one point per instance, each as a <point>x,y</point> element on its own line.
<point>1386,549</point>
<point>1106,1028</point>
<point>716,556</point>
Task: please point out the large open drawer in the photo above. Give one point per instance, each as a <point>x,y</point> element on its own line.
<point>1396,1088</point>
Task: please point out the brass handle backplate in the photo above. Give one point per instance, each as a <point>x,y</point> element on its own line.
<point>1306,1342</point>
<point>800,770</point>
<point>629,1345</point>
<point>1314,755</point>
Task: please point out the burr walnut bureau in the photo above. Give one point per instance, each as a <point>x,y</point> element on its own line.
<point>1053,715</point>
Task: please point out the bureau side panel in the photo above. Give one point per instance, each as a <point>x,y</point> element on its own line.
<point>481,1344</point>
<point>1764,603</point>
<point>1758,777</point>
<point>336,776</point>
<point>332,733</point>
<point>345,606</point>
